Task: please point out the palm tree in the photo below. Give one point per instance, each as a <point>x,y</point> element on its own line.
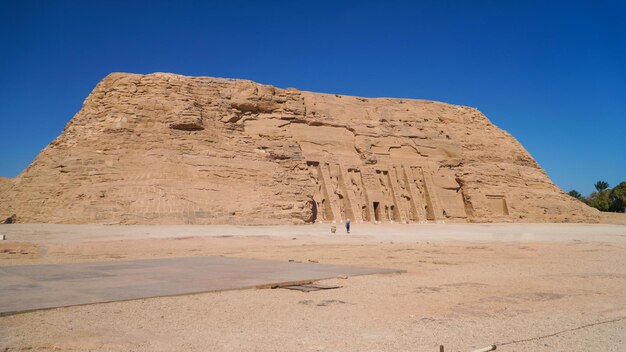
<point>574,193</point>
<point>601,186</point>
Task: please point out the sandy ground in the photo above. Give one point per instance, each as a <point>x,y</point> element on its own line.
<point>539,287</point>
<point>613,218</point>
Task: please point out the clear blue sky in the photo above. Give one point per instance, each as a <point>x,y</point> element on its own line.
<point>552,73</point>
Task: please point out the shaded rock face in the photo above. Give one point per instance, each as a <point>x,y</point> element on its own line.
<point>170,149</point>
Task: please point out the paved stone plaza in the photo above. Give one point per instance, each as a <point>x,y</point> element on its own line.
<point>30,287</point>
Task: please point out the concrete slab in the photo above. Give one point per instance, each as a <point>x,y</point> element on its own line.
<point>30,287</point>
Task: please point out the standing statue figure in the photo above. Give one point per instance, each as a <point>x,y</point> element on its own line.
<point>348,225</point>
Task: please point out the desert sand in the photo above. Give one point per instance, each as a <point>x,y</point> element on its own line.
<point>539,287</point>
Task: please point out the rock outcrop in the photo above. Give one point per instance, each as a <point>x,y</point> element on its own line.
<point>170,149</point>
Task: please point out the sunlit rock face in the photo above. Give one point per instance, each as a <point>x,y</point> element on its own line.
<point>170,149</point>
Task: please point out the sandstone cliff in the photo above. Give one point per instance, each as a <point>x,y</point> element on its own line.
<point>170,149</point>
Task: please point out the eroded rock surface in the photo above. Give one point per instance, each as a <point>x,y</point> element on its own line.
<point>170,149</point>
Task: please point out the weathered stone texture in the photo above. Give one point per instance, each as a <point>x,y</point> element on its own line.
<point>170,149</point>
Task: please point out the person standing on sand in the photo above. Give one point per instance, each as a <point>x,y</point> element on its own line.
<point>348,225</point>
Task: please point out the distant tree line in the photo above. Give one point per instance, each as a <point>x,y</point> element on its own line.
<point>604,199</point>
